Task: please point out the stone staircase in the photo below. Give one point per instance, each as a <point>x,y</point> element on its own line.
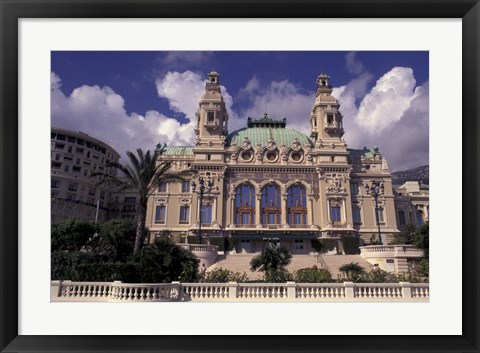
<point>241,263</point>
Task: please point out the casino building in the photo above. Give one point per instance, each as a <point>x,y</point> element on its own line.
<point>269,182</point>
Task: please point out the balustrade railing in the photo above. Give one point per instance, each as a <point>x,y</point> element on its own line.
<point>232,291</point>
<point>199,247</point>
<point>394,250</point>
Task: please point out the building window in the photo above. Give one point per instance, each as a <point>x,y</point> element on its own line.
<point>419,217</point>
<point>329,119</point>
<point>298,244</point>
<point>297,205</point>
<point>56,165</point>
<point>186,186</point>
<point>69,149</point>
<point>210,117</point>
<point>335,214</point>
<point>184,214</point>
<point>57,157</point>
<point>357,217</point>
<point>55,184</point>
<point>162,187</point>
<point>160,213</point>
<point>245,204</point>
<point>354,188</point>
<point>206,214</point>
<point>401,218</point>
<point>380,215</point>
<point>72,187</point>
<point>102,194</point>
<point>91,191</point>
<point>271,206</point>
<point>67,168</point>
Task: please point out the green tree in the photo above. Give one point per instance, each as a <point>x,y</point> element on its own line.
<point>142,175</point>
<point>352,271</point>
<point>406,235</point>
<point>271,258</point>
<point>117,238</point>
<point>72,234</point>
<point>164,262</point>
<point>420,239</point>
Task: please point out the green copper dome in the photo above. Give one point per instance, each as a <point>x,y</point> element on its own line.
<point>259,131</point>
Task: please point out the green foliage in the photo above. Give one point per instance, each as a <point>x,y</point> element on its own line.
<point>351,245</point>
<point>117,239</point>
<point>313,275</point>
<point>141,175</point>
<point>374,240</point>
<point>423,268</point>
<point>163,262</point>
<point>221,275</point>
<point>406,235</point>
<point>271,258</point>
<point>71,234</point>
<point>421,239</point>
<point>352,271</point>
<point>277,275</point>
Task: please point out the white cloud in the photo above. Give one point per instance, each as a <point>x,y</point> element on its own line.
<point>183,91</point>
<point>282,99</point>
<point>392,115</point>
<point>387,101</point>
<point>100,112</point>
<point>354,66</point>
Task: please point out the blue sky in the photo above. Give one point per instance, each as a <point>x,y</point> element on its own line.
<point>138,99</point>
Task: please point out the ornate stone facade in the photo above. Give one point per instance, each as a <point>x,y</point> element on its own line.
<point>272,182</point>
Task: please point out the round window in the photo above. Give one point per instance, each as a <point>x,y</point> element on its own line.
<point>272,156</point>
<point>247,155</point>
<point>296,156</point>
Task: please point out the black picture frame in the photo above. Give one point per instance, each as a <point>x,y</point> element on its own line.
<point>13,10</point>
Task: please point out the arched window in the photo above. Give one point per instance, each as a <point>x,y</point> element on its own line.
<point>245,204</point>
<point>297,205</point>
<point>271,206</point>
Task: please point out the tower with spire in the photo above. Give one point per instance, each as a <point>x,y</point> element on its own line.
<point>212,116</point>
<point>326,121</point>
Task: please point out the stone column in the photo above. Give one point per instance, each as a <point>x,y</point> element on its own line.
<point>310,211</point>
<point>258,210</point>
<point>284,210</point>
<point>349,292</point>
<point>406,290</point>
<point>232,290</point>
<point>232,211</point>
<point>291,293</point>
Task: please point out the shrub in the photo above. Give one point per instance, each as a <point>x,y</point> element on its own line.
<point>164,262</point>
<point>279,275</point>
<point>352,271</point>
<point>117,238</point>
<point>351,245</point>
<point>313,275</point>
<point>72,234</point>
<point>221,275</point>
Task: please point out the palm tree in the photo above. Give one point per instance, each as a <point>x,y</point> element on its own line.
<point>271,258</point>
<point>142,175</point>
<point>352,270</point>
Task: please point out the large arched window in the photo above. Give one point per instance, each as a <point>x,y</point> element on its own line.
<point>271,206</point>
<point>297,205</point>
<point>245,204</point>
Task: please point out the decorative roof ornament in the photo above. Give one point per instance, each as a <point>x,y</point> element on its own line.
<point>266,121</point>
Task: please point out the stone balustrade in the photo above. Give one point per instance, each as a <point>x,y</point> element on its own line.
<point>393,251</point>
<point>67,291</point>
<point>206,253</point>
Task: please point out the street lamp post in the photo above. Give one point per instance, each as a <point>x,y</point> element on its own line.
<point>375,190</point>
<point>204,188</point>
